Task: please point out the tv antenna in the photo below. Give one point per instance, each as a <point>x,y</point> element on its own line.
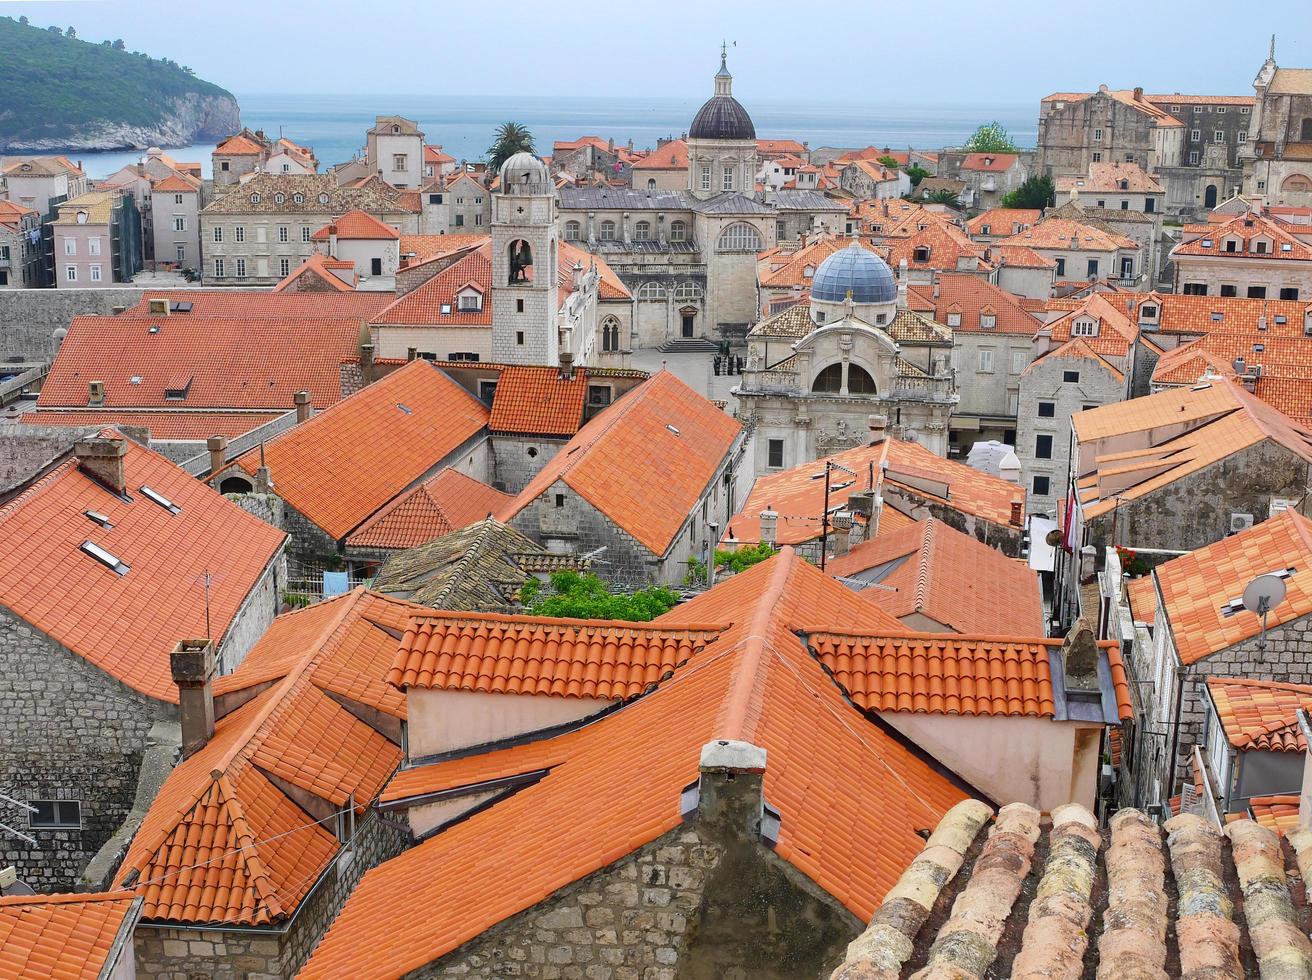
<point>1262,595</point>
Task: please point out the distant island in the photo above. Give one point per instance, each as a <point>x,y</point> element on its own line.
<point>61,93</point>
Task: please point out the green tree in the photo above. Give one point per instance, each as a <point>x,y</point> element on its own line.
<point>576,596</point>
<point>118,44</point>
<point>54,30</point>
<point>70,32</point>
<point>511,138</point>
<point>942,196</point>
<point>22,19</point>
<point>889,162</point>
<point>917,173</point>
<point>990,137</point>
<point>1037,192</point>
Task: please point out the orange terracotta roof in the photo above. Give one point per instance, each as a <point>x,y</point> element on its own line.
<point>1281,245</point>
<point>947,576</point>
<point>126,624</point>
<point>163,426</point>
<point>645,461</point>
<point>615,785</point>
<point>434,154</point>
<point>797,498</point>
<point>1057,233</point>
<point>263,305</point>
<point>969,296</point>
<point>65,937</point>
<point>611,285</point>
<point>1195,587</point>
<point>445,503</point>
<point>352,458</point>
<point>435,302</point>
<point>1003,221</point>
<point>421,248</point>
<point>176,184</point>
<point>1260,715</point>
<point>1278,814</point>
<point>946,243</point>
<point>356,224</point>
<point>238,146</point>
<point>223,841</point>
<point>234,362</point>
<point>1210,314</point>
<point>321,267</point>
<point>672,156</point>
<point>1108,177</point>
<point>875,170</point>
<point>988,162</point>
<point>538,401</point>
<point>529,655</point>
<point>780,269</point>
<point>1116,331</point>
<point>780,146</point>
<point>1143,598</point>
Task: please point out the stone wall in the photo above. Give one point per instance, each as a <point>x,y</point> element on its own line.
<point>68,731</point>
<point>515,460</point>
<point>28,317</point>
<point>25,449</point>
<point>257,611</point>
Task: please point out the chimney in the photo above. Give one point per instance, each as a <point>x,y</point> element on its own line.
<point>218,447</point>
<point>367,363</point>
<point>566,366</point>
<point>95,393</point>
<point>303,408</point>
<point>411,353</point>
<point>116,310</point>
<point>1079,656</point>
<point>936,285</point>
<point>730,798</point>
<point>878,428</point>
<point>769,526</point>
<point>1138,93</point>
<point>101,458</point>
<point>332,240</point>
<point>158,306</point>
<point>192,664</point>
<point>1239,366</point>
<point>1017,513</point>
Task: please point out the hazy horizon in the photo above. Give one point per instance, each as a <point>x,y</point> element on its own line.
<point>1016,55</point>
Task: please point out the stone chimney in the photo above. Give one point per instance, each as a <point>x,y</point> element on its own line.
<point>218,447</point>
<point>303,408</point>
<point>1088,564</point>
<point>101,458</point>
<point>878,428</point>
<point>936,285</point>
<point>367,364</point>
<point>1079,657</point>
<point>332,240</point>
<point>769,526</point>
<point>192,664</point>
<point>730,790</point>
<point>411,353</point>
<point>566,366</point>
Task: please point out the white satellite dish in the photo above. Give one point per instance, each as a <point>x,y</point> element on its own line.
<point>1262,595</point>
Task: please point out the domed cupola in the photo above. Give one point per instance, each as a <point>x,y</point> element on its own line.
<point>858,274</point>
<point>722,117</point>
<point>524,173</point>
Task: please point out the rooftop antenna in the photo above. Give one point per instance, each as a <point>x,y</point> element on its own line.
<point>1262,595</point>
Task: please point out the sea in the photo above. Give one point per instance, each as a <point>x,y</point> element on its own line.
<point>334,125</point>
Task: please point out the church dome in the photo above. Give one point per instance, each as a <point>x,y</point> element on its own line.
<point>524,173</point>
<point>722,117</point>
<point>856,269</point>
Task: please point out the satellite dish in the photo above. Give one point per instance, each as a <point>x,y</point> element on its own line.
<point>1264,593</point>
<point>1053,537</point>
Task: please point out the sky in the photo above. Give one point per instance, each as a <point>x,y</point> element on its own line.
<point>952,52</point>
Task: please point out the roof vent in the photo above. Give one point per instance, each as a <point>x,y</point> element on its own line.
<point>98,518</point>
<point>672,428</point>
<point>156,497</point>
<point>109,560</point>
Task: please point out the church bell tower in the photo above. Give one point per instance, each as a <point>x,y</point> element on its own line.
<point>524,264</point>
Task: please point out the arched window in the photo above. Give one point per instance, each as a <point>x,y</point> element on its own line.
<point>740,237</point>
<point>642,231</point>
<point>687,290</point>
<point>610,334</point>
<point>572,231</point>
<point>279,198</point>
<point>651,184</point>
<point>1297,183</point>
<point>678,231</point>
<point>607,231</point>
<point>859,381</point>
<point>830,380</point>
<point>651,290</point>
<point>235,484</point>
<point>521,262</point>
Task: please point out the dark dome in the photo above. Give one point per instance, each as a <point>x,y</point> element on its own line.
<point>722,118</point>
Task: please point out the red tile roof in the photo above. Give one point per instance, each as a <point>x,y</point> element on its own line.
<point>425,247</point>
<point>356,224</point>
<point>434,303</point>
<point>127,624</point>
<point>611,285</point>
<point>227,839</point>
<point>1106,178</point>
<point>1056,233</point>
<point>65,937</point>
<point>261,304</point>
<point>176,184</point>
<point>434,154</point>
<point>615,785</point>
<point>672,156</point>
<point>1022,257</point>
<point>946,576</point>
<point>499,654</point>
<point>537,401</point>
<point>988,162</point>
<point>349,460</point>
<point>1003,221</point>
<point>163,426</point>
<point>1260,715</point>
<point>1247,227</point>
<point>1116,331</point>
<point>645,461</point>
<point>337,275</point>
<point>445,503</point>
<point>1196,586</point>
<point>238,146</point>
<point>969,296</point>
<point>235,362</point>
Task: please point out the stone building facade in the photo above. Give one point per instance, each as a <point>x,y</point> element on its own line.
<point>525,261</point>
<point>1277,154</point>
<point>20,247</point>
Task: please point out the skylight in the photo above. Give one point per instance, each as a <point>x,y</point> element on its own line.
<point>109,560</point>
<point>159,498</point>
<point>405,408</point>
<point>98,518</point>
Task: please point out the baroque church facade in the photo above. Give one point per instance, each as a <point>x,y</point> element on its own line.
<point>817,371</point>
<point>689,256</point>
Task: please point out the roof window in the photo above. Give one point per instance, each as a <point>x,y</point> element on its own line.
<point>109,560</point>
<point>153,328</point>
<point>279,198</point>
<point>1286,247</point>
<point>298,198</point>
<point>1207,243</point>
<point>98,518</point>
<point>255,198</point>
<point>1217,317</point>
<point>672,428</point>
<point>159,498</point>
<point>323,198</point>
<point>1281,318</point>
<point>405,408</point>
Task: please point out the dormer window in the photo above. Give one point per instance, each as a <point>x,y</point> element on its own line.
<point>987,321</point>
<point>279,198</point>
<point>1261,246</point>
<point>1084,327</point>
<point>255,198</point>
<point>985,230</point>
<point>1231,245</point>
<point>323,198</point>
<point>1148,311</point>
<point>396,129</point>
<point>298,198</point>
<point>1124,185</point>
<point>470,300</point>
<point>954,319</point>
<point>921,253</point>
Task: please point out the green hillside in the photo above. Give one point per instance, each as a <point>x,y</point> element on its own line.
<point>59,87</point>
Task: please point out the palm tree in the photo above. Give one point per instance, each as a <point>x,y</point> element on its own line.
<point>511,138</point>
<point>942,196</point>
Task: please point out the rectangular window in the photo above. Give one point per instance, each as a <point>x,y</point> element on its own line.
<point>1218,136</point>
<point>1097,157</point>
<point>434,198</point>
<point>471,302</point>
<point>1241,137</point>
<point>1229,289</point>
<point>987,321</point>
<point>1043,446</point>
<point>1042,486</point>
<point>282,233</point>
<point>1193,156</point>
<point>519,306</point>
<point>95,273</point>
<point>1257,292</point>
<point>70,246</point>
<point>1149,205</point>
<point>1047,410</point>
<point>1061,266</point>
<point>241,268</point>
<point>70,273</point>
<point>726,182</point>
<point>177,198</point>
<point>284,267</point>
<point>985,361</point>
<point>1289,292</point>
<point>224,166</point>
<point>55,814</point>
<point>180,252</point>
<point>706,178</point>
<point>1019,359</point>
<point>1195,289</point>
<point>93,246</point>
<point>398,161</point>
<point>239,234</point>
<point>1125,205</point>
<point>1195,135</point>
<point>519,338</point>
<point>1097,135</point>
<point>1070,377</point>
<point>305,233</point>
<point>1129,158</point>
<point>460,220</point>
<point>1092,269</point>
<point>218,269</point>
<point>218,233</point>
<point>776,454</point>
<point>478,219</point>
<point>179,223</point>
<point>4,253</point>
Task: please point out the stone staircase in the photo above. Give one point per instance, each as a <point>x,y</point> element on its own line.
<point>689,345</point>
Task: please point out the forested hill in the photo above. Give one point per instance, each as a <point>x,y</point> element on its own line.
<point>62,93</point>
